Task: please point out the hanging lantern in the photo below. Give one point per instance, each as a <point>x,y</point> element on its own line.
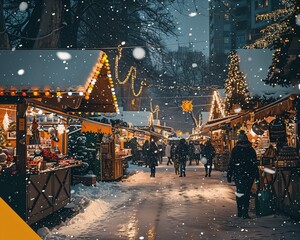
<point>187,106</point>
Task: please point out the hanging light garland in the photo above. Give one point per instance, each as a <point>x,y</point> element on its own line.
<point>131,73</point>
<point>217,101</point>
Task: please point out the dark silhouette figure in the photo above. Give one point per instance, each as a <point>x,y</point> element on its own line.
<point>181,152</point>
<point>153,158</point>
<point>243,166</point>
<point>209,152</point>
<point>145,151</point>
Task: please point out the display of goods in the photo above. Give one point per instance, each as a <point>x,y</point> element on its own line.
<point>277,130</point>
<point>287,157</point>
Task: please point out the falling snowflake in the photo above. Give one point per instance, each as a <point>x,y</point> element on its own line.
<point>21,72</point>
<point>138,53</point>
<point>23,6</point>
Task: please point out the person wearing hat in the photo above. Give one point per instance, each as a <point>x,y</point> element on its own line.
<point>182,152</point>
<point>243,165</point>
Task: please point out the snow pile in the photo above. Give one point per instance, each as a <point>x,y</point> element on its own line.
<point>94,203</point>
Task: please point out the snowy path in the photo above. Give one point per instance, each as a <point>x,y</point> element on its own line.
<point>168,207</point>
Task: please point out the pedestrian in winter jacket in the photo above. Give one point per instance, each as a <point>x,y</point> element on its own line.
<point>182,152</point>
<point>209,152</point>
<point>145,151</point>
<point>243,166</point>
<point>153,158</point>
<point>168,153</point>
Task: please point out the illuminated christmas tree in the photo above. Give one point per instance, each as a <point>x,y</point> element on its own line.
<point>235,84</point>
<point>2,137</point>
<point>282,35</point>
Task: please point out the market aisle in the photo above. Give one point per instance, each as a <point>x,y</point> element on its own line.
<point>169,207</point>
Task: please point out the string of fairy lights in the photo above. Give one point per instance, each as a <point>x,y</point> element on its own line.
<point>217,102</point>
<point>131,73</point>
<point>281,25</point>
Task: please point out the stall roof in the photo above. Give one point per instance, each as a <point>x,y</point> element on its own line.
<point>54,74</point>
<point>275,108</point>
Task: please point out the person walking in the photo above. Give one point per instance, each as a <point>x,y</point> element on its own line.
<point>160,151</point>
<point>145,151</point>
<point>174,158</point>
<point>243,165</point>
<point>197,151</point>
<point>153,158</point>
<point>191,150</point>
<point>209,152</point>
<point>168,153</point>
<point>181,152</point>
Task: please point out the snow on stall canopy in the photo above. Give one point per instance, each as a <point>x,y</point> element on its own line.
<point>57,70</point>
<point>75,80</point>
<point>134,118</point>
<point>255,64</point>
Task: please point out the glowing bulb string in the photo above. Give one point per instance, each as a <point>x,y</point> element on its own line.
<point>131,73</point>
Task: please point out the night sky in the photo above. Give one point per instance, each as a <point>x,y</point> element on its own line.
<point>192,29</point>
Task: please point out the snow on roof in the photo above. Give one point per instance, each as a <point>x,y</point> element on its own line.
<point>205,116</point>
<point>255,64</point>
<point>222,93</point>
<point>136,118</point>
<point>54,69</point>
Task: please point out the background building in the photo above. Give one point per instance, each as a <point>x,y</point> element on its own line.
<point>233,25</point>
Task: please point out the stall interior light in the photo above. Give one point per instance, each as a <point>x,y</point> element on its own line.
<point>24,94</point>
<point>80,93</point>
<point>13,93</point>
<point>70,93</point>
<point>1,93</point>
<point>35,93</point>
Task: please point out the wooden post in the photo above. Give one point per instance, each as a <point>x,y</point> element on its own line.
<point>21,153</point>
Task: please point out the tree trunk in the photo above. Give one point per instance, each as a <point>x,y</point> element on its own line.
<point>51,24</point>
<point>4,41</point>
<point>69,34</point>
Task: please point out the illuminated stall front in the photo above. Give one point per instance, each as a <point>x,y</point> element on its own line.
<point>42,95</point>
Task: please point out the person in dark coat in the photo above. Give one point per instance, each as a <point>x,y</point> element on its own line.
<point>153,157</point>
<point>145,151</point>
<point>182,152</point>
<point>191,149</point>
<point>209,152</point>
<point>243,165</point>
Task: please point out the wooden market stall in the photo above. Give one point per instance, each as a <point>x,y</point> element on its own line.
<point>40,94</point>
<point>276,124</point>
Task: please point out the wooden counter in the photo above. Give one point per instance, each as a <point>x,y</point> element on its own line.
<point>286,185</point>
<point>35,196</point>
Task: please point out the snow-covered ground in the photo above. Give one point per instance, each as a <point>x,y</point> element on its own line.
<point>167,206</point>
